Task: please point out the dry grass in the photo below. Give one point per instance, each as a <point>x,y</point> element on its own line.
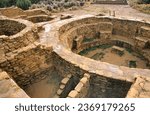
<point>141,7</point>
<point>144,8</point>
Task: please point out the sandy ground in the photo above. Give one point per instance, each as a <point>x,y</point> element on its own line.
<point>124,11</point>
<point>46,88</point>
<point>113,58</point>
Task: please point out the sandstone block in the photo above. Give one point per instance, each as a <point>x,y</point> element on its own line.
<point>84,80</point>
<point>65,80</point>
<point>73,94</point>
<point>87,75</point>
<point>147,86</point>
<point>133,93</point>
<point>79,87</point>
<point>62,86</point>
<point>59,91</point>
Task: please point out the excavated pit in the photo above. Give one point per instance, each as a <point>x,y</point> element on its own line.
<point>40,18</point>
<point>10,27</point>
<point>48,64</point>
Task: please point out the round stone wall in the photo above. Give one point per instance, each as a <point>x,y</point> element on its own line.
<point>15,34</point>
<point>63,34</point>
<point>124,36</point>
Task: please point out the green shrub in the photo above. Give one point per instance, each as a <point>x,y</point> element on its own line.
<point>146,1</point>
<point>12,2</point>
<point>4,3</point>
<point>23,4</point>
<point>35,1</point>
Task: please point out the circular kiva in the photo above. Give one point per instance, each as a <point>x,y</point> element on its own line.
<point>16,33</point>
<point>73,37</point>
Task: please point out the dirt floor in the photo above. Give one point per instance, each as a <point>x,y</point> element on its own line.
<point>46,88</point>
<point>124,11</point>
<point>106,55</point>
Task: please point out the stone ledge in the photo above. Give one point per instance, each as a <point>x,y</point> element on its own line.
<point>9,88</point>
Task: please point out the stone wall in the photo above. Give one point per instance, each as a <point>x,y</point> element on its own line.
<point>17,34</point>
<point>15,12</point>
<point>67,84</point>
<point>103,87</point>
<point>140,88</point>
<point>122,27</point>
<point>10,27</point>
<point>64,67</point>
<point>88,31</point>
<point>82,88</point>
<point>9,89</point>
<point>12,12</point>
<point>29,63</point>
<point>35,12</point>
<point>27,66</point>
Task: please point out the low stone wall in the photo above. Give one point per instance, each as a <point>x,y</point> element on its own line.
<point>82,88</point>
<point>15,12</point>
<point>66,85</point>
<point>12,12</point>
<point>140,88</point>
<point>17,34</point>
<point>35,12</point>
<point>10,27</point>
<point>9,89</point>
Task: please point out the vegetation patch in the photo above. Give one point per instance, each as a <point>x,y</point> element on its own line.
<point>132,64</point>
<point>51,5</point>
<point>141,5</point>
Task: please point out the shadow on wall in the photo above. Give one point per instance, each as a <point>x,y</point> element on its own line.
<point>102,87</point>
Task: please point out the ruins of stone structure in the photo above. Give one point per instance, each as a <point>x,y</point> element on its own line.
<point>44,57</point>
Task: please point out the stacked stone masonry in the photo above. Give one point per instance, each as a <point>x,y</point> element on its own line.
<point>26,60</point>
<point>81,89</point>
<point>15,34</point>
<point>65,86</point>
<point>140,88</point>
